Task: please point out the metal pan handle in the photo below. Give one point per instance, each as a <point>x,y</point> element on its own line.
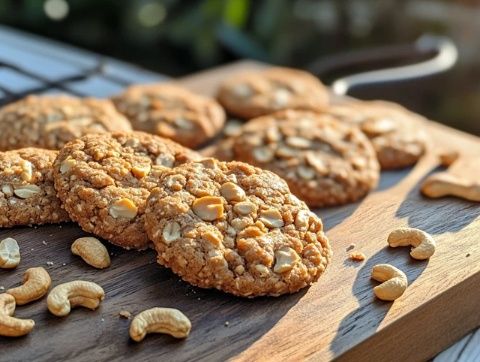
<point>443,51</point>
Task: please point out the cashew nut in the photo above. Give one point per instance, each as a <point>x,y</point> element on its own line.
<point>9,253</point>
<point>10,326</point>
<point>36,283</point>
<point>72,294</point>
<point>92,251</point>
<point>394,282</point>
<point>423,245</point>
<point>160,320</point>
<point>445,184</point>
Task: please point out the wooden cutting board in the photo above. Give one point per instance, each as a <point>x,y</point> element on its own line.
<point>338,317</point>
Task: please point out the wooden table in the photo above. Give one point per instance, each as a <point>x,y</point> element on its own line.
<point>338,317</point>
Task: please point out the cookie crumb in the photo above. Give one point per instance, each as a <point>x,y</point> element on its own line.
<point>468,254</point>
<point>357,256</point>
<point>351,246</point>
<point>125,314</point>
<point>32,249</point>
<point>50,263</point>
<point>103,320</point>
<point>63,264</point>
<point>227,323</point>
<point>44,242</point>
<point>199,298</point>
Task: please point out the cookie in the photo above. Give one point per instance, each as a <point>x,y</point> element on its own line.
<point>51,121</point>
<point>104,180</point>
<point>396,133</point>
<point>27,195</point>
<point>325,162</point>
<point>172,112</point>
<point>254,94</point>
<point>237,228</point>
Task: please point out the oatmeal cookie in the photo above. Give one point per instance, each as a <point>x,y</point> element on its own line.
<point>172,112</point>
<point>104,180</point>
<point>27,195</point>
<point>396,133</point>
<point>325,162</point>
<point>51,121</point>
<point>255,94</point>
<point>237,228</point>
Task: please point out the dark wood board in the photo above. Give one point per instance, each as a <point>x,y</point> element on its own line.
<point>338,317</point>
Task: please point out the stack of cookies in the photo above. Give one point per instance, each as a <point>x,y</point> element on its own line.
<point>125,170</point>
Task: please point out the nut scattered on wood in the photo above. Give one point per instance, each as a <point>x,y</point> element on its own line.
<point>444,184</point>
<point>36,283</point>
<point>125,314</point>
<point>9,253</point>
<point>66,296</point>
<point>92,251</point>
<point>422,243</point>
<point>9,325</point>
<point>394,282</point>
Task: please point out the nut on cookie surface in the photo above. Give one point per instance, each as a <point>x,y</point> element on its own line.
<point>325,162</point>
<point>172,112</point>
<point>104,180</point>
<point>51,121</point>
<point>396,133</point>
<point>27,195</point>
<point>253,94</point>
<point>237,228</point>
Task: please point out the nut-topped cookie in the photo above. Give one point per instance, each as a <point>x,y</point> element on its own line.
<point>27,195</point>
<point>51,121</point>
<point>172,112</point>
<point>237,228</point>
<point>104,180</point>
<point>396,133</point>
<point>325,162</point>
<point>253,94</point>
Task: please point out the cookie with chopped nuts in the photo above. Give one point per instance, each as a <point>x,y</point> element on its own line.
<point>257,93</point>
<point>27,195</point>
<point>325,162</point>
<point>237,228</point>
<point>104,180</point>
<point>396,133</point>
<point>51,121</point>
<point>172,112</point>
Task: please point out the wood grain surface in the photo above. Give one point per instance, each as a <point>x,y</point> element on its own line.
<point>338,317</point>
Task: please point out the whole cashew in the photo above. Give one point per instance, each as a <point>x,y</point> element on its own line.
<point>160,320</point>
<point>92,251</point>
<point>36,282</point>
<point>394,282</point>
<point>444,184</point>
<point>423,245</point>
<point>66,296</point>
<point>10,326</point>
<point>9,253</point>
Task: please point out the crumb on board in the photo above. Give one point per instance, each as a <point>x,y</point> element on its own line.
<point>44,242</point>
<point>357,256</point>
<point>351,246</point>
<point>50,263</point>
<point>125,314</point>
<point>227,323</point>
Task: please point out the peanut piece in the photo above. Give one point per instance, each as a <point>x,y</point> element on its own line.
<point>271,218</point>
<point>66,296</point>
<point>423,245</point>
<point>285,259</point>
<point>7,190</point>
<point>443,184</point>
<point>10,326</point>
<point>36,282</point>
<point>92,251</point>
<point>298,142</point>
<point>160,320</point>
<point>141,171</point>
<point>244,208</point>
<point>123,208</point>
<point>9,253</point>
<point>208,208</point>
<point>165,160</point>
<point>67,165</point>
<point>171,232</point>
<point>27,170</point>
<point>394,282</point>
<point>27,191</point>
<point>232,192</point>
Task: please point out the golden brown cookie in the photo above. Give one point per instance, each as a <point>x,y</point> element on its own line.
<point>325,162</point>
<point>237,228</point>
<point>51,121</point>
<point>27,195</point>
<point>256,93</point>
<point>104,180</point>
<point>172,112</point>
<point>396,133</point>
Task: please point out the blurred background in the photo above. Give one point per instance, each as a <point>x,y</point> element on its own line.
<point>177,37</point>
